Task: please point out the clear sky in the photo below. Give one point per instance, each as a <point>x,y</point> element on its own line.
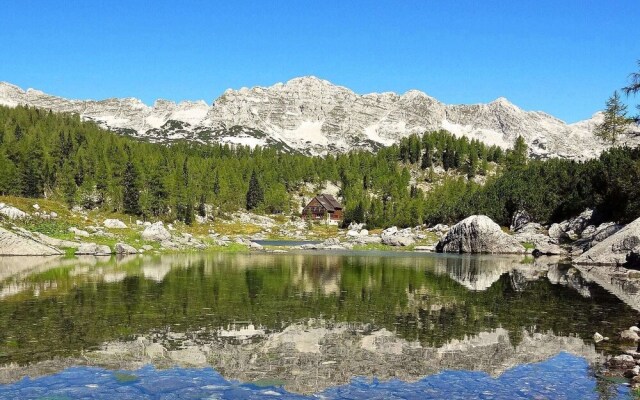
<point>561,57</point>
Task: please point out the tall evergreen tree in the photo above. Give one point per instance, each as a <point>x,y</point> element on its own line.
<point>67,183</point>
<point>255,194</point>
<point>131,190</point>
<point>615,120</point>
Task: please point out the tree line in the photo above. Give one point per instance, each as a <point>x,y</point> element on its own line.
<point>44,154</point>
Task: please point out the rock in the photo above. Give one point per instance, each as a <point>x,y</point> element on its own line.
<point>364,232</point>
<point>16,244</point>
<point>597,337</point>
<point>397,240</point>
<point>53,214</point>
<point>548,249</point>
<point>635,329</point>
<point>139,223</point>
<point>114,224</point>
<point>156,232</point>
<point>425,248</point>
<point>394,237</point>
<point>557,232</point>
<point>331,242</point>
<point>615,248</point>
<point>168,244</point>
<point>623,361</point>
<point>255,246</point>
<point>123,248</point>
<point>353,233</point>
<point>354,226</point>
<point>520,219</point>
<point>630,373</point>
<point>36,206</point>
<point>579,223</point>
<point>79,232</point>
<point>629,335</point>
<point>93,249</point>
<point>12,212</point>
<point>478,234</point>
<point>155,350</point>
<point>147,247</point>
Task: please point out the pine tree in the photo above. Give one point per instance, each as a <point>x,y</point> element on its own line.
<point>67,184</point>
<point>615,120</point>
<point>131,190</point>
<point>517,157</point>
<point>255,194</point>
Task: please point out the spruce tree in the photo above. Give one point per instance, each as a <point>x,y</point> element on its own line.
<point>67,184</point>
<point>255,194</point>
<point>615,120</point>
<point>131,190</point>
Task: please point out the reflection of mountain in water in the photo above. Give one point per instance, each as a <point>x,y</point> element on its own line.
<point>385,316</point>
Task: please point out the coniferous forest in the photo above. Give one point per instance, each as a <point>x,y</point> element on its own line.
<point>58,156</point>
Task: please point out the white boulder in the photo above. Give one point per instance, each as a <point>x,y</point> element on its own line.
<point>478,234</point>
<point>114,224</point>
<point>14,244</point>
<point>156,232</point>
<point>12,212</point>
<point>93,249</point>
<point>123,248</point>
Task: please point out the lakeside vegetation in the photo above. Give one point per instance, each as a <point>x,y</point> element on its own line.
<point>430,178</point>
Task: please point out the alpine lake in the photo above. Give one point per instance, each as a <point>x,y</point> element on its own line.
<point>387,325</point>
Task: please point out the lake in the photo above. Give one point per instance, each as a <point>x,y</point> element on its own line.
<point>305,325</point>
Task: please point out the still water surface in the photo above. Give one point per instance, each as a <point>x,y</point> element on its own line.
<point>353,325</point>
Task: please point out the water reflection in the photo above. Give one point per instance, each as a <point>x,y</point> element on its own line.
<point>311,321</point>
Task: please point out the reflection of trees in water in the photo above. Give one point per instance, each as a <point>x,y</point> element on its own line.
<point>427,299</point>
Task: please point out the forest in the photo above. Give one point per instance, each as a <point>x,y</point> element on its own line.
<point>58,156</point>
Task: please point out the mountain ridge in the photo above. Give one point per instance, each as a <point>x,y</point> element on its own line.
<point>314,116</point>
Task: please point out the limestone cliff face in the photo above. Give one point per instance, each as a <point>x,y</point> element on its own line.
<point>315,116</point>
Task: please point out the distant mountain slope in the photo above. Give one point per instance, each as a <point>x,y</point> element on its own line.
<point>315,117</point>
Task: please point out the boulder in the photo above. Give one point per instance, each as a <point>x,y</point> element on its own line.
<point>623,361</point>
<point>556,231</point>
<point>114,224</point>
<point>156,232</point>
<point>15,244</point>
<point>398,240</point>
<point>12,212</point>
<point>520,219</point>
<point>92,249</point>
<point>79,232</point>
<point>123,248</point>
<point>478,234</point>
<point>597,337</point>
<point>615,248</point>
<point>255,246</point>
<point>394,237</point>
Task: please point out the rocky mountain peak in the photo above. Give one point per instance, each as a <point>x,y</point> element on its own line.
<point>314,116</point>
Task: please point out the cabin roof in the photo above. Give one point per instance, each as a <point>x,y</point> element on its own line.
<point>329,202</point>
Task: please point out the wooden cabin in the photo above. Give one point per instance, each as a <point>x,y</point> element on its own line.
<point>323,206</point>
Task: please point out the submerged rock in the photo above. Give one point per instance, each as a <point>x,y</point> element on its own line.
<point>478,234</point>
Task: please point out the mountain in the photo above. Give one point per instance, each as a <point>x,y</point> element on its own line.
<point>314,116</point>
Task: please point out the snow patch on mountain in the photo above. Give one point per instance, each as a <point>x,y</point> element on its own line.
<point>314,116</point>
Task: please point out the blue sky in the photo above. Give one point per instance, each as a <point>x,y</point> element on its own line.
<point>561,57</point>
